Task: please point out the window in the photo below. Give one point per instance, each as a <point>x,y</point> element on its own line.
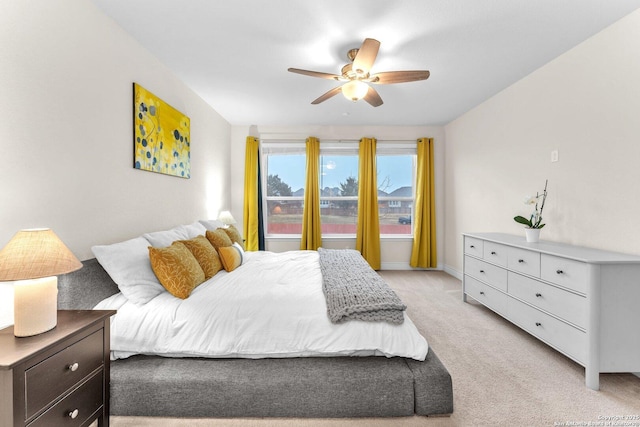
<point>396,181</point>
<point>338,189</point>
<point>283,180</point>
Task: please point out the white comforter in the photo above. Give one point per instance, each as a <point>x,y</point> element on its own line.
<point>271,306</point>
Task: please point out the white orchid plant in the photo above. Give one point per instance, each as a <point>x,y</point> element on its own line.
<point>535,221</point>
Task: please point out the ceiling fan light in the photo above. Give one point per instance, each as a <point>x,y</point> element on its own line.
<point>355,90</point>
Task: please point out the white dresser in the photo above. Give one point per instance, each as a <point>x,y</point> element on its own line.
<point>583,302</point>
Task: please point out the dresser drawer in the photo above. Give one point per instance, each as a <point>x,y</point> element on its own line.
<point>492,298</point>
<point>561,303</point>
<point>488,273</point>
<point>565,272</point>
<point>524,261</point>
<point>473,246</point>
<point>558,334</point>
<point>86,400</point>
<point>58,373</point>
<point>495,253</point>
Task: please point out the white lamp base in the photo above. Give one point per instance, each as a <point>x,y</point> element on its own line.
<point>35,306</point>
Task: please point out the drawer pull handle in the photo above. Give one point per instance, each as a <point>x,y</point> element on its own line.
<point>538,324</point>
<point>73,414</point>
<point>521,261</point>
<point>481,292</point>
<point>481,271</point>
<point>471,246</point>
<point>559,271</point>
<point>74,367</point>
<point>538,295</point>
<point>493,252</point>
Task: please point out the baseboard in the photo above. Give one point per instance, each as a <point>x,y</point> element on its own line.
<point>453,272</point>
<point>404,266</point>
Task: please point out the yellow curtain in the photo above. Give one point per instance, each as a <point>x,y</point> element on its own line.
<point>423,252</point>
<point>311,229</point>
<point>368,231</point>
<point>251,184</point>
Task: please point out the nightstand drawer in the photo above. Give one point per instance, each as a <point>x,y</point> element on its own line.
<point>86,400</point>
<point>58,373</point>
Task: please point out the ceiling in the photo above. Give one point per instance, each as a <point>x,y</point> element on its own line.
<point>235,53</point>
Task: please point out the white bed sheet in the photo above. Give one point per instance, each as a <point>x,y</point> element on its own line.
<point>271,306</point>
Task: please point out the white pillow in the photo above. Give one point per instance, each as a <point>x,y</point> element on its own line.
<point>162,239</point>
<point>237,245</point>
<point>128,265</point>
<point>212,224</point>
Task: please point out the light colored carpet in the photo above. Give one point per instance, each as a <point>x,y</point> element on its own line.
<point>501,375</point>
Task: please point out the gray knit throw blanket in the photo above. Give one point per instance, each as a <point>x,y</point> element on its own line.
<point>355,291</point>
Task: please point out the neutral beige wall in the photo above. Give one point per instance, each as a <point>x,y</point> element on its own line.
<point>66,144</point>
<point>395,253</point>
<point>585,104</point>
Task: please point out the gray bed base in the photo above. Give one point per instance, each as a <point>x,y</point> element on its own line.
<point>316,387</point>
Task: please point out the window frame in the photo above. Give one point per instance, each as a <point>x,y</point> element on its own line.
<point>400,148</point>
<point>334,148</point>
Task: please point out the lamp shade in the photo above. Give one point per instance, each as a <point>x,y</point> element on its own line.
<point>226,218</point>
<point>36,253</point>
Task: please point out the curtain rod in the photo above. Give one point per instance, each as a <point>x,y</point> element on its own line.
<point>334,140</point>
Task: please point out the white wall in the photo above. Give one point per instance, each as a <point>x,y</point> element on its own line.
<point>66,133</point>
<point>586,105</point>
<point>395,253</point>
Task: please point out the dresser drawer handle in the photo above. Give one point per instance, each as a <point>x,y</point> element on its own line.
<point>481,292</point>
<point>471,246</point>
<point>74,367</point>
<point>493,252</point>
<point>73,414</point>
<point>521,261</point>
<point>538,324</point>
<point>481,271</point>
<point>538,295</point>
<point>559,271</point>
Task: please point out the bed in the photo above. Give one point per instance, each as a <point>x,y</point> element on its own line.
<point>172,379</point>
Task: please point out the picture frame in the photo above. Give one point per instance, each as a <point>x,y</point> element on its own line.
<point>161,136</point>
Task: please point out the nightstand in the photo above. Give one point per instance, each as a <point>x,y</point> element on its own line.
<point>60,377</point>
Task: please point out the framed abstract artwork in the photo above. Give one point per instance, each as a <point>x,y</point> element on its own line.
<point>161,136</point>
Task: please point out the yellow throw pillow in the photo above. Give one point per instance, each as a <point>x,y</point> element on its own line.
<point>218,238</point>
<point>176,268</point>
<point>234,235</point>
<point>205,254</point>
<point>231,257</point>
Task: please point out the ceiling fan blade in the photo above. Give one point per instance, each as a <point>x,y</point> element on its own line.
<point>373,98</point>
<point>324,97</point>
<point>390,77</point>
<point>366,56</point>
<point>315,74</point>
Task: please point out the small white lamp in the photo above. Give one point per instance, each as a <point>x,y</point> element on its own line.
<point>33,258</point>
<point>226,218</point>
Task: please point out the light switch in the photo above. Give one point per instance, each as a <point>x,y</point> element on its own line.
<point>554,156</point>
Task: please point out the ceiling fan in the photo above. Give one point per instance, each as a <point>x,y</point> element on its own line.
<point>356,75</point>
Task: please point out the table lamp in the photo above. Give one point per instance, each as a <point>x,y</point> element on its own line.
<point>33,259</point>
<point>226,218</point>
